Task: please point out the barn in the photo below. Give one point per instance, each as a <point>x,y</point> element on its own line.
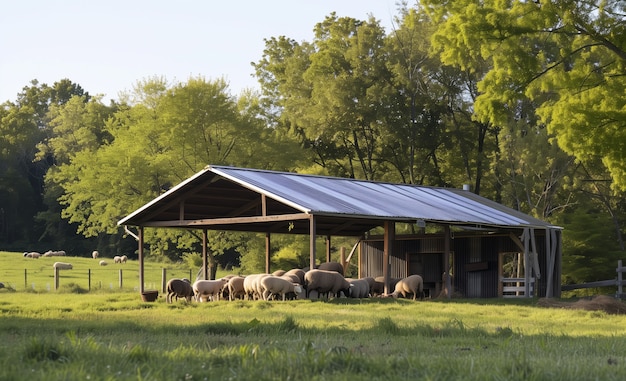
<point>461,243</point>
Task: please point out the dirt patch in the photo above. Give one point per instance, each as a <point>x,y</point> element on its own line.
<point>608,304</point>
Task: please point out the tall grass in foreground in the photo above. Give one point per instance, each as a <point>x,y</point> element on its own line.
<point>106,336</point>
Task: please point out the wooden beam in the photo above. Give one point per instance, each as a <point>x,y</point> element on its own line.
<point>224,221</point>
<point>244,208</point>
<point>312,236</point>
<point>328,248</point>
<point>140,251</point>
<point>205,260</point>
<point>446,260</point>
<point>388,241</point>
<point>267,252</point>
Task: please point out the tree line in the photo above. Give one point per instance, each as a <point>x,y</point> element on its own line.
<point>524,102</point>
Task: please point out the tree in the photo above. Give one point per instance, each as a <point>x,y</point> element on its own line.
<point>567,56</point>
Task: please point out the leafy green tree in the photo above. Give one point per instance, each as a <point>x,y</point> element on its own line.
<point>567,56</point>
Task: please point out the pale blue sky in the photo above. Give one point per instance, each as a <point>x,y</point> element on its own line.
<point>107,46</point>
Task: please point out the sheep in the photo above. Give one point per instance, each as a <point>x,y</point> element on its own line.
<point>279,272</point>
<point>273,285</point>
<point>235,288</point>
<point>324,281</point>
<point>95,254</point>
<point>123,259</point>
<point>208,289</point>
<point>117,259</point>
<point>413,284</point>
<point>379,285</point>
<point>103,263</point>
<point>179,288</point>
<point>51,253</point>
<point>331,266</point>
<point>32,254</point>
<point>251,286</point>
<point>360,288</point>
<point>298,272</point>
<point>62,265</point>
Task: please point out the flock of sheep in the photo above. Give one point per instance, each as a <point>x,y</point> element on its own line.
<point>325,281</point>
<point>68,266</point>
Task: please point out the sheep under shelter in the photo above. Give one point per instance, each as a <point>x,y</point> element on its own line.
<point>461,242</point>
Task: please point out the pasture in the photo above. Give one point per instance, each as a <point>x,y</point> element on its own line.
<point>108,334</point>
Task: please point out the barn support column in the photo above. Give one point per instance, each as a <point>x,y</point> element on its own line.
<point>328,249</point>
<point>268,242</point>
<point>312,235</point>
<point>389,238</point>
<point>140,252</point>
<point>446,261</point>
<point>527,267</point>
<point>205,261</point>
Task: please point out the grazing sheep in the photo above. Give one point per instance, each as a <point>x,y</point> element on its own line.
<point>297,272</point>
<point>123,259</point>
<point>251,286</point>
<point>32,254</point>
<point>117,259</point>
<point>206,290</point>
<point>103,263</point>
<point>51,253</point>
<point>279,272</point>
<point>331,266</point>
<point>235,288</point>
<point>179,288</point>
<point>325,282</point>
<point>413,284</point>
<point>95,254</point>
<point>273,285</point>
<point>360,288</point>
<point>62,266</point>
<point>379,285</point>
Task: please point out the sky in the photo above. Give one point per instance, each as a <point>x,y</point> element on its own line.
<point>108,46</point>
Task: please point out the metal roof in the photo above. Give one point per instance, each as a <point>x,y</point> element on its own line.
<point>230,198</point>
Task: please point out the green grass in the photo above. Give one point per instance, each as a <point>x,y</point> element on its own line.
<point>113,335</point>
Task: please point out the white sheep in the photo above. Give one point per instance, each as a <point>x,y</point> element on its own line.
<point>103,263</point>
<point>179,288</point>
<point>95,254</point>
<point>206,290</point>
<point>62,266</point>
<point>235,288</point>
<point>32,254</point>
<point>51,253</point>
<point>326,282</point>
<point>273,285</point>
<point>297,272</point>
<point>123,259</point>
<point>252,286</point>
<point>117,259</point>
<point>413,284</point>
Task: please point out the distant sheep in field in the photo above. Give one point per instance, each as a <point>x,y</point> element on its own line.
<point>413,284</point>
<point>326,282</point>
<point>103,263</point>
<point>331,266</point>
<point>273,285</point>
<point>62,266</point>
<point>206,290</point>
<point>235,288</point>
<point>123,259</point>
<point>32,254</point>
<point>179,288</point>
<point>252,286</point>
<point>95,254</point>
<point>51,253</point>
<point>117,259</point>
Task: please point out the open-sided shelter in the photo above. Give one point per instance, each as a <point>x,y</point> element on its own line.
<point>474,243</point>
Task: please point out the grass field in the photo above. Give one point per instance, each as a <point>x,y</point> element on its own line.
<point>110,334</point>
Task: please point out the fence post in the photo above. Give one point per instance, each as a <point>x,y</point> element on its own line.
<point>121,279</point>
<point>56,278</point>
<point>163,277</point>
<point>25,278</point>
<point>619,279</point>
<point>89,279</point>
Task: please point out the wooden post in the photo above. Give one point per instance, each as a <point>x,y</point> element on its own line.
<point>342,259</point>
<point>619,278</point>
<point>89,279</point>
<point>389,238</point>
<point>268,250</point>
<point>163,279</point>
<point>56,278</point>
<point>121,279</point>
<point>312,236</point>
<point>328,249</point>
<point>141,279</point>
<point>205,261</point>
<point>446,260</point>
